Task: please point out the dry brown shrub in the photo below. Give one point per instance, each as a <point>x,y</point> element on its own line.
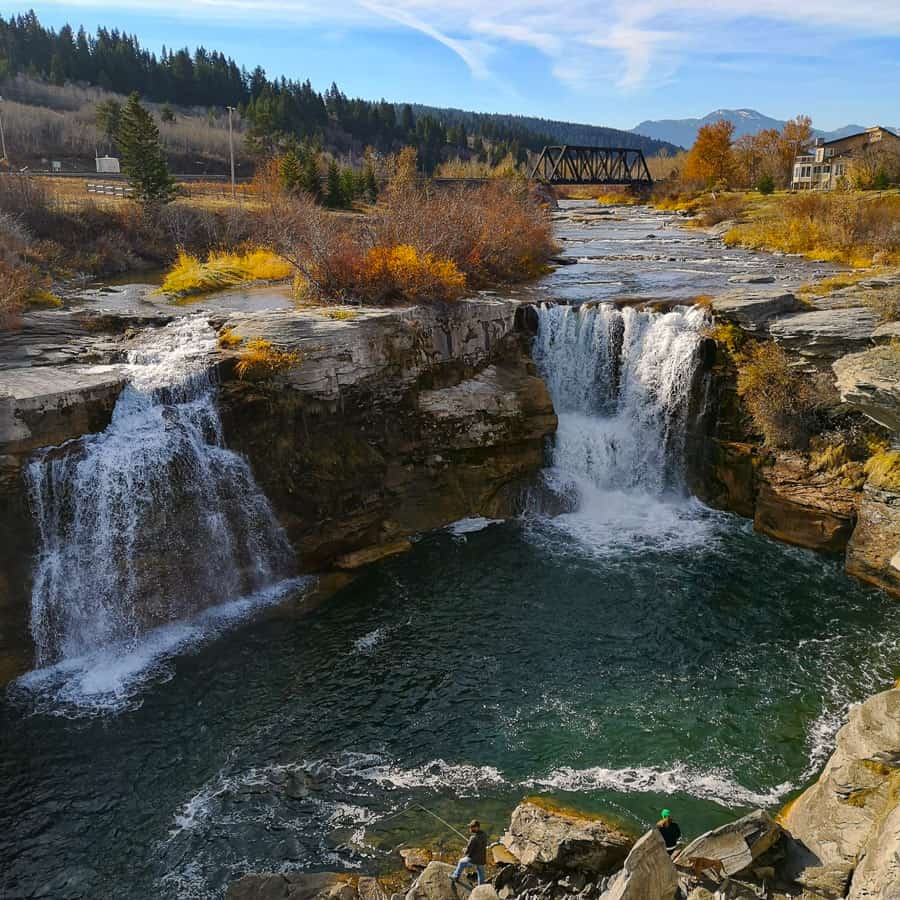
<point>721,208</point>
<point>786,405</point>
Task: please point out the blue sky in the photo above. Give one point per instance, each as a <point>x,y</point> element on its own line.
<point>606,62</point>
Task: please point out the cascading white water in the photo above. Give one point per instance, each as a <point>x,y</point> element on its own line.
<point>621,382</point>
<point>152,520</point>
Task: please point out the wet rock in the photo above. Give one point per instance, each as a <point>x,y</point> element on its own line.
<point>483,892</point>
<point>752,309</point>
<point>367,555</point>
<point>877,877</point>
<point>841,816</point>
<point>826,334</point>
<point>546,838</point>
<point>805,508</point>
<point>873,553</point>
<point>870,381</point>
<point>370,889</point>
<point>416,858</point>
<point>750,278</point>
<point>648,873</point>
<point>736,844</point>
<point>435,884</point>
<point>320,886</point>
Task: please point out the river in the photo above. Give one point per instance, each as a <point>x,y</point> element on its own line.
<point>638,650</point>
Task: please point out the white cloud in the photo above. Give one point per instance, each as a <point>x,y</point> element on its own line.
<point>631,43</point>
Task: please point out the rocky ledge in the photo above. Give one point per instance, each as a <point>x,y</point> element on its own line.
<point>550,853</point>
<point>386,422</point>
<point>838,341</point>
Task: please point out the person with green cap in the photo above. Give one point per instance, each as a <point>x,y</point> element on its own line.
<point>476,853</point>
<point>669,830</point>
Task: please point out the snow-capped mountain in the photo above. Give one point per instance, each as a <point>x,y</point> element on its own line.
<point>745,121</point>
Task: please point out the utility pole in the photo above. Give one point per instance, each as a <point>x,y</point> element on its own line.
<point>231,148</point>
<point>2,136</point>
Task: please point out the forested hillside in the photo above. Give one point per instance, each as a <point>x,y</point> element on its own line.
<point>273,111</point>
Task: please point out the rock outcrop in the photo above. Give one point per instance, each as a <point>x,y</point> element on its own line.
<point>319,886</point>
<point>648,873</point>
<point>435,884</point>
<point>754,309</point>
<point>391,422</point>
<point>736,844</point>
<point>827,334</point>
<point>873,553</point>
<point>850,813</point>
<point>870,381</point>
<point>543,837</point>
<point>809,509</point>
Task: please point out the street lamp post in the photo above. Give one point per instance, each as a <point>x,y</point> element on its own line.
<point>231,148</point>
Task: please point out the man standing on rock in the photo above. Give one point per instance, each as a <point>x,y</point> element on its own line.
<point>476,853</point>
<point>669,830</point>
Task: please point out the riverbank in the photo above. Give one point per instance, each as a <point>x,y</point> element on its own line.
<point>515,653</point>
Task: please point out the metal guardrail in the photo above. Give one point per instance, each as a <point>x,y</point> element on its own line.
<point>110,190</point>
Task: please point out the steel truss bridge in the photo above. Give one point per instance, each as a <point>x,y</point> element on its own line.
<point>592,165</point>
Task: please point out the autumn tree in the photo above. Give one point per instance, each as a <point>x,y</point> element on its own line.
<point>795,137</point>
<point>711,160</point>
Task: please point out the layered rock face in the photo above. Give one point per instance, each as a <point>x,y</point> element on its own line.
<point>845,829</point>
<point>842,341</point>
<point>393,422</point>
<point>389,423</point>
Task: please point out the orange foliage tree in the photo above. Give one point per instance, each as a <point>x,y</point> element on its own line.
<point>711,160</point>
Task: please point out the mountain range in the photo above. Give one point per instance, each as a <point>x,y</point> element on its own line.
<point>746,121</point>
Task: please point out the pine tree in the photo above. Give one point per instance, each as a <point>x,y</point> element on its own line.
<point>142,157</point>
<point>290,172</point>
<point>334,195</point>
<point>371,182</point>
<point>348,186</point>
<point>310,181</point>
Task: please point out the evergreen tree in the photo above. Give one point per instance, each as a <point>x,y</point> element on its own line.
<point>107,115</point>
<point>167,114</point>
<point>310,180</point>
<point>334,195</point>
<point>348,186</point>
<point>142,156</point>
<point>371,183</point>
<point>290,172</point>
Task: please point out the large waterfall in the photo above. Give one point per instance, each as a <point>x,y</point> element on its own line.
<point>152,520</point>
<point>621,382</point>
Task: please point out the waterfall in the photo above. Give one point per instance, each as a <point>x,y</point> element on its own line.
<point>621,382</point>
<point>152,520</point>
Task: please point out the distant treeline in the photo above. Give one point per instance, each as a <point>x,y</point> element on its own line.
<point>276,110</point>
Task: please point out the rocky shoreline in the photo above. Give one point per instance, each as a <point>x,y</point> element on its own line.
<point>839,840</point>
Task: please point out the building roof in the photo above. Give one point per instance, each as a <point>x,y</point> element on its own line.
<point>847,137</point>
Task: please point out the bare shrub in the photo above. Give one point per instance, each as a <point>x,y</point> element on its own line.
<point>785,404</point>
<point>721,208</point>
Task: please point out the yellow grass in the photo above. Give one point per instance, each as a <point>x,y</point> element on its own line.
<point>618,198</point>
<point>191,276</point>
<point>884,470</point>
<point>44,299</point>
<point>341,315</point>
<point>228,339</point>
<point>259,359</point>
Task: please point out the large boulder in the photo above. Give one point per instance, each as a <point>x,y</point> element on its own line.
<point>877,877</point>
<point>544,837</point>
<point>736,844</point>
<point>754,309</point>
<point>827,334</point>
<point>832,821</point>
<point>798,506</point>
<point>296,886</point>
<point>648,873</point>
<point>870,381</point>
<point>873,553</point>
<point>435,884</point>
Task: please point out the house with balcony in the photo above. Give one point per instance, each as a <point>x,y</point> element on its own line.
<point>823,166</point>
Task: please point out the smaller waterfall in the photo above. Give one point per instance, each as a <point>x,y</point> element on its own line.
<point>621,382</point>
<point>153,520</point>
